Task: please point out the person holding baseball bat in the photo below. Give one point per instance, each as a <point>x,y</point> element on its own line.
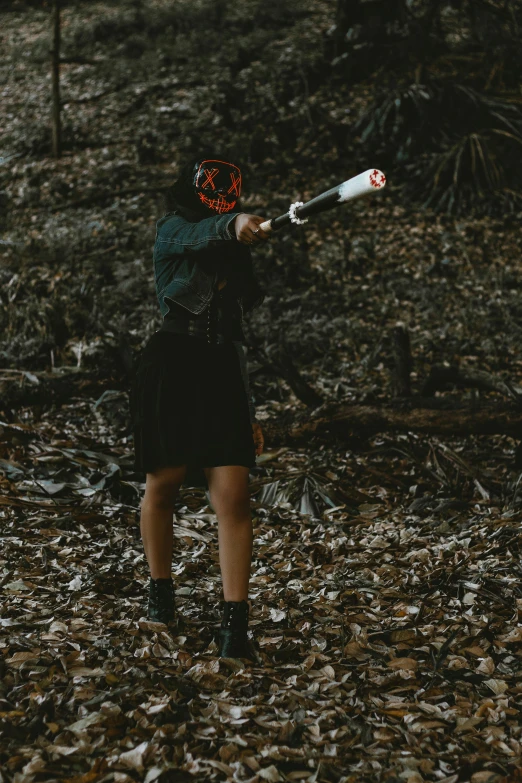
<point>192,412</point>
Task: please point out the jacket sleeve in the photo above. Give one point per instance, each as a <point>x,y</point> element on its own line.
<point>244,374</point>
<point>175,235</point>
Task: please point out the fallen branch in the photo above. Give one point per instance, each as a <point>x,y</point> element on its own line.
<point>21,387</point>
<point>442,377</point>
<point>79,61</point>
<point>432,417</point>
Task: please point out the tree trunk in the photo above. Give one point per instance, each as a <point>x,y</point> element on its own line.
<point>281,364</point>
<point>401,350</point>
<point>55,54</point>
<point>372,15</point>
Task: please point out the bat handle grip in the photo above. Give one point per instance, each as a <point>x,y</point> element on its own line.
<point>266,226</point>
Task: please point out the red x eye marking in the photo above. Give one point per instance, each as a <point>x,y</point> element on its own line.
<point>236,183</point>
<point>211,173</point>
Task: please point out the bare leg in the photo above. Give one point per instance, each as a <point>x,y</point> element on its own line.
<point>230,498</point>
<point>157,509</point>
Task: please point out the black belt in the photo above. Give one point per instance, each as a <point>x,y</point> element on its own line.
<point>208,325</point>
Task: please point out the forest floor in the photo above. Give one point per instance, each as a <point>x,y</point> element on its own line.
<point>386,580</point>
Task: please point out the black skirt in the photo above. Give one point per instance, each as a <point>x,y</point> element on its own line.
<point>189,407</point>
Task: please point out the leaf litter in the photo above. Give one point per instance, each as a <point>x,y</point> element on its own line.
<point>390,638</point>
<point>386,599</point>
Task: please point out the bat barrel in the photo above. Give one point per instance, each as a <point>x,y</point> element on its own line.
<point>367,182</point>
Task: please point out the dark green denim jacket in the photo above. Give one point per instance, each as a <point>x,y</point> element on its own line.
<point>184,271</point>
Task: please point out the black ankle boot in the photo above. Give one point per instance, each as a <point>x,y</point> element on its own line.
<point>233,639</point>
<point>161,601</point>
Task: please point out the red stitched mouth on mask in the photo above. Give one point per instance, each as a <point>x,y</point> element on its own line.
<point>218,204</point>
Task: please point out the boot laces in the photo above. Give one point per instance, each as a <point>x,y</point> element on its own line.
<point>235,615</point>
<point>161,590</point>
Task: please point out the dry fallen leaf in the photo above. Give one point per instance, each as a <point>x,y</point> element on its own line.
<point>403,663</point>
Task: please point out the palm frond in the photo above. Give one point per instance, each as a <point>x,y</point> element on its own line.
<point>308,492</point>
<point>452,146</point>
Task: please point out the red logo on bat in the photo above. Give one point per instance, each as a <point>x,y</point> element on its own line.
<point>377,179</point>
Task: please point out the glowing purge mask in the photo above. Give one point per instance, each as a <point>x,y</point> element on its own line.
<point>217,184</point>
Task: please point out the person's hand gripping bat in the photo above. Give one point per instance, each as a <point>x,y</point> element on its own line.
<point>248,230</point>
